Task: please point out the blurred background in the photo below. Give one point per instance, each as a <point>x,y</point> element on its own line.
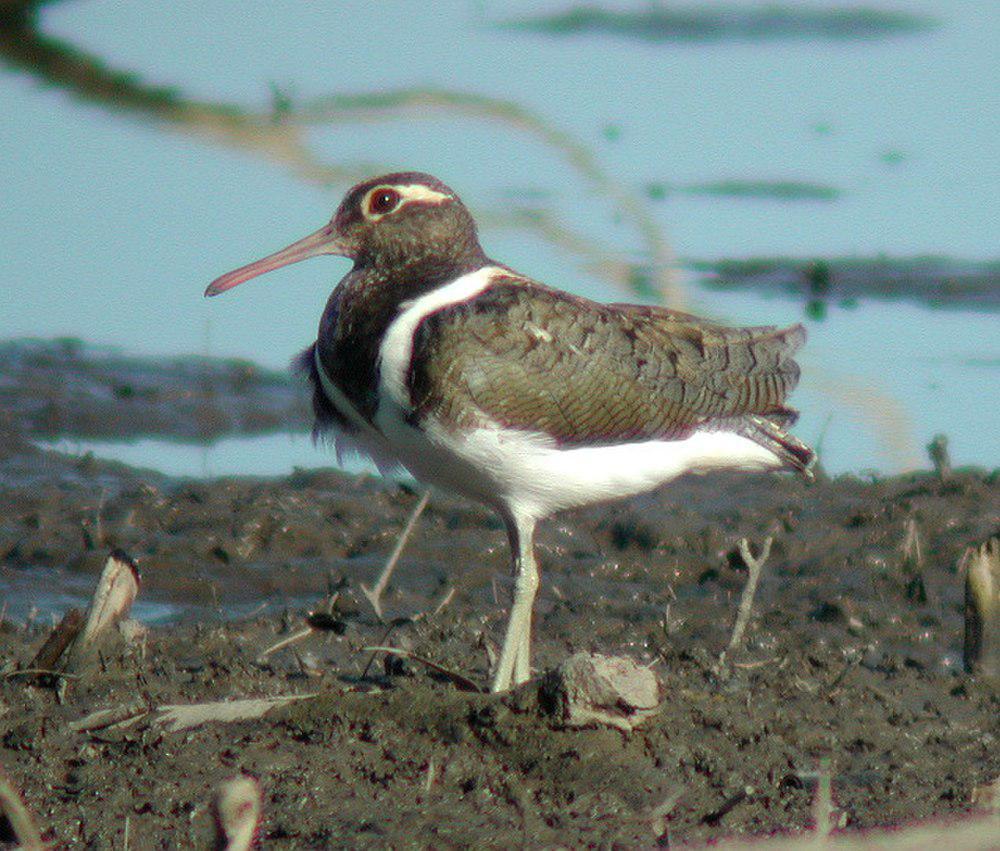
<point>822,162</point>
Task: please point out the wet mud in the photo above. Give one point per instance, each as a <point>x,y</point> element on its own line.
<point>853,654</point>
<point>55,388</point>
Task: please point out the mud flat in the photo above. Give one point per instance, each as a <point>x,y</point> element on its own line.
<point>853,653</point>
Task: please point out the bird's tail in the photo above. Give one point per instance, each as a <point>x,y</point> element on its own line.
<point>770,431</point>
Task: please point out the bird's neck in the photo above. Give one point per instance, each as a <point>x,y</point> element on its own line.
<point>421,266</point>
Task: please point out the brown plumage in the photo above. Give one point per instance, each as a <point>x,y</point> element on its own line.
<point>612,374</point>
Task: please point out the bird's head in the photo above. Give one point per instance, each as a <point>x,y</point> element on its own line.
<point>407,221</point>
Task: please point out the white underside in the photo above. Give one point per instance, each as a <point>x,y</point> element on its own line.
<point>528,475</point>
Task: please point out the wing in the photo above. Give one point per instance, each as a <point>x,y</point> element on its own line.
<point>530,357</point>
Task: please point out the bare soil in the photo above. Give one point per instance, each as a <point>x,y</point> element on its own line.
<point>853,654</point>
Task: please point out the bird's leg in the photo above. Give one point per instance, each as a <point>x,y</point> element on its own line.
<point>522,660</point>
<point>514,667</point>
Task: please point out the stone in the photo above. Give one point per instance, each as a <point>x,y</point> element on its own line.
<point>588,689</point>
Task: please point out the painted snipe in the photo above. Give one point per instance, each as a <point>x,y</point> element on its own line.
<point>525,398</point>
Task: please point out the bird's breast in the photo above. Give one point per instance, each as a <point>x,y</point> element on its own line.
<point>347,347</point>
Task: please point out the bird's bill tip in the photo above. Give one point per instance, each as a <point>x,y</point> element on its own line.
<point>324,241</point>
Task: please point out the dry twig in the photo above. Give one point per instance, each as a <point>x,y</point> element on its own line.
<point>374,595</point>
<point>445,600</point>
<point>823,802</point>
<point>913,562</point>
<point>913,551</point>
<point>177,717</point>
<point>460,680</point>
<point>982,609</point>
<point>102,719</point>
<point>291,639</point>
<point>429,776</point>
<point>316,621</point>
<point>116,591</point>
<point>755,566</point>
<point>727,806</point>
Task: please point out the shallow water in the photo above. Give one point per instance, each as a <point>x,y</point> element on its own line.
<point>861,412</point>
<point>116,219</point>
<point>259,455</point>
<point>43,595</point>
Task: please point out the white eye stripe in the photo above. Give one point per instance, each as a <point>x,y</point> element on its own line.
<point>419,192</point>
<point>407,193</point>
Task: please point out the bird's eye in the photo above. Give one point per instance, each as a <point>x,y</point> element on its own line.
<point>383,201</point>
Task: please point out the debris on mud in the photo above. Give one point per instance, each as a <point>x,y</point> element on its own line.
<point>590,688</point>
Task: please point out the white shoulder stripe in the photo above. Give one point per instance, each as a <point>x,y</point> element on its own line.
<point>397,344</point>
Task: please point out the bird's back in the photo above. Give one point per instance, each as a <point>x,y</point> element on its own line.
<point>588,374</point>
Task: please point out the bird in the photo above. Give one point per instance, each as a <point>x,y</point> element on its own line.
<point>528,399</point>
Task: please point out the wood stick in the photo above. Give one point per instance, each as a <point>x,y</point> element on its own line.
<point>463,682</point>
<point>374,595</point>
<point>981,651</point>
<point>755,567</point>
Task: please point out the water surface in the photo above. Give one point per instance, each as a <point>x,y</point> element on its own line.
<point>117,217</point>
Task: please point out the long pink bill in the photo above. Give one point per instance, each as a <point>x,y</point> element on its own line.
<point>324,241</point>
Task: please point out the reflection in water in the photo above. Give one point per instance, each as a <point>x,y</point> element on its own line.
<point>931,281</point>
<point>818,286</point>
<point>767,22</point>
<point>883,412</point>
<point>275,454</point>
<point>772,190</point>
<point>279,135</point>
